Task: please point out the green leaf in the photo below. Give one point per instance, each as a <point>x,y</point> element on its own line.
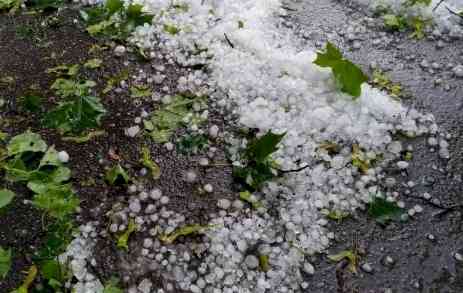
<point>260,149</point>
<point>115,80</point>
<point>114,6</point>
<point>136,17</point>
<point>68,88</point>
<point>84,138</point>
<point>395,22</point>
<point>42,187</point>
<point>93,63</point>
<point>117,175</point>
<point>382,81</point>
<point>3,136</point>
<point>112,287</point>
<point>173,30</point>
<point>264,263</point>
<point>50,158</point>
<point>140,91</point>
<point>247,197</point>
<point>65,70</point>
<point>410,3</point>
<point>16,170</point>
<point>57,201</point>
<point>359,160</point>
<point>45,4</point>
<point>384,211</point>
<point>335,214</point>
<point>418,24</point>
<point>59,235</point>
<point>183,231</point>
<point>6,80</point>
<point>9,4</point>
<point>331,56</point>
<point>52,270</point>
<point>6,197</point>
<point>5,262</point>
<point>24,288</point>
<point>100,27</point>
<point>31,103</point>
<point>148,163</point>
<point>26,142</point>
<point>192,143</point>
<point>349,255</point>
<point>114,20</point>
<point>166,120</point>
<point>76,116</point>
<point>349,77</point>
<point>123,239</point>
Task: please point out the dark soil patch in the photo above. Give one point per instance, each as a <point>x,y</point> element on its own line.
<point>27,50</point>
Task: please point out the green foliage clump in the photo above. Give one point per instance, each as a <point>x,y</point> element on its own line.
<point>31,161</point>
<point>123,239</point>
<point>349,77</point>
<point>80,110</point>
<point>114,20</point>
<point>384,211</point>
<point>147,162</point>
<point>117,175</point>
<point>5,262</point>
<point>6,197</point>
<point>170,117</point>
<point>10,5</point>
<point>112,286</point>
<point>192,144</point>
<point>410,3</point>
<point>76,116</point>
<point>258,167</point>
<point>383,82</point>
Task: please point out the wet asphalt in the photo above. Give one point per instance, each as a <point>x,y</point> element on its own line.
<point>421,254</point>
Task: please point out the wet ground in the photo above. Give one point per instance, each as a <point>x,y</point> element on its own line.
<point>29,45</point>
<point>414,256</point>
<point>421,250</point>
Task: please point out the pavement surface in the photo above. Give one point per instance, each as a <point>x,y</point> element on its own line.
<point>421,254</point>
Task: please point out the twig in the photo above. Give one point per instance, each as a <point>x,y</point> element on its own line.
<point>293,170</point>
<point>288,8</point>
<point>453,12</point>
<point>437,6</point>
<point>447,210</point>
<point>228,41</point>
<point>444,209</point>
